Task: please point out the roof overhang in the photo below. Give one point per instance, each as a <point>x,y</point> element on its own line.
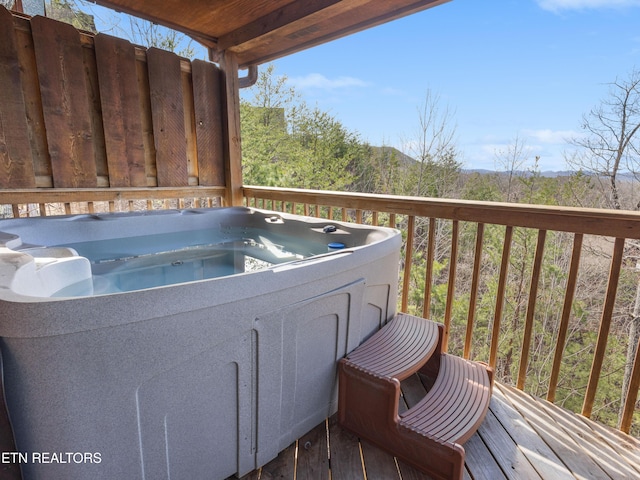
<point>258,31</point>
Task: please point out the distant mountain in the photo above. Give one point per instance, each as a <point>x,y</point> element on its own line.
<point>387,152</point>
<point>407,160</point>
<point>521,173</point>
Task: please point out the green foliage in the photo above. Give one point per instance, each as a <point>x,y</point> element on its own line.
<point>68,12</point>
<point>289,144</point>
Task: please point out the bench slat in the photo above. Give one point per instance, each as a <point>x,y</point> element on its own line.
<point>399,349</point>
<point>456,403</point>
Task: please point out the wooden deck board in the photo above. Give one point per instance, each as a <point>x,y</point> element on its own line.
<point>537,452</point>
<point>609,460</point>
<point>379,465</point>
<point>521,438</point>
<point>312,462</point>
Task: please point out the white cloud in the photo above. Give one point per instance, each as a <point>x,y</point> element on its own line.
<point>559,5</point>
<point>551,137</point>
<point>317,80</point>
<point>396,92</point>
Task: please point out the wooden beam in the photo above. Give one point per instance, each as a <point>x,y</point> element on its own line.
<point>272,21</point>
<point>233,148</point>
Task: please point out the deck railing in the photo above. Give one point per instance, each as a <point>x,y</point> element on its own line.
<point>485,270</point>
<point>453,242</point>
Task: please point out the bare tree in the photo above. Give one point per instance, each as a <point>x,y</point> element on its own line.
<point>433,146</point>
<point>512,161</point>
<point>610,150</point>
<point>610,147</point>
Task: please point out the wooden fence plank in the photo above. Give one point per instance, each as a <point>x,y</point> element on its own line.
<point>16,164</point>
<point>65,102</point>
<point>33,105</point>
<point>207,95</point>
<point>120,100</point>
<point>95,110</point>
<point>165,83</point>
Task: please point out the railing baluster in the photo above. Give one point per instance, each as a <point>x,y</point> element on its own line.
<point>374,218</point>
<point>474,290</point>
<point>428,277</point>
<point>605,324</point>
<point>570,290</point>
<point>531,308</point>
<point>502,283</point>
<point>453,264</point>
<point>632,395</point>
<point>358,216</point>
<point>408,257</point>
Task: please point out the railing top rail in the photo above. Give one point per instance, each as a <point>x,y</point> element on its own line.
<point>60,195</point>
<point>612,223</point>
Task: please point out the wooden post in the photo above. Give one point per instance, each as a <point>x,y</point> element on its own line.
<point>233,147</point>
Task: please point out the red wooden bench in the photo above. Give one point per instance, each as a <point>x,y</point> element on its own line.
<point>430,435</point>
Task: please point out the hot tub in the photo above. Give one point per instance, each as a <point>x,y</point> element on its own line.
<point>180,344</point>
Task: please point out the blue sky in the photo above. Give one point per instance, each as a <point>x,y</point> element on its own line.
<point>507,69</point>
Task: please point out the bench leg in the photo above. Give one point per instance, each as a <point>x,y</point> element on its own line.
<point>368,407</point>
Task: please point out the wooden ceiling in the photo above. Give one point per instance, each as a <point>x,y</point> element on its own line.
<point>262,30</point>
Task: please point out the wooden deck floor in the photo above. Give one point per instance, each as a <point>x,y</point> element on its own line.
<point>521,438</point>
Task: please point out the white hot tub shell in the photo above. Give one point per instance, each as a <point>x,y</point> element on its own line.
<point>200,379</point>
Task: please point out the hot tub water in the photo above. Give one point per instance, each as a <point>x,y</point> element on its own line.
<point>146,261</point>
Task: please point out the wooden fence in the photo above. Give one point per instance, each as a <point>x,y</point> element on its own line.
<point>96,113</point>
